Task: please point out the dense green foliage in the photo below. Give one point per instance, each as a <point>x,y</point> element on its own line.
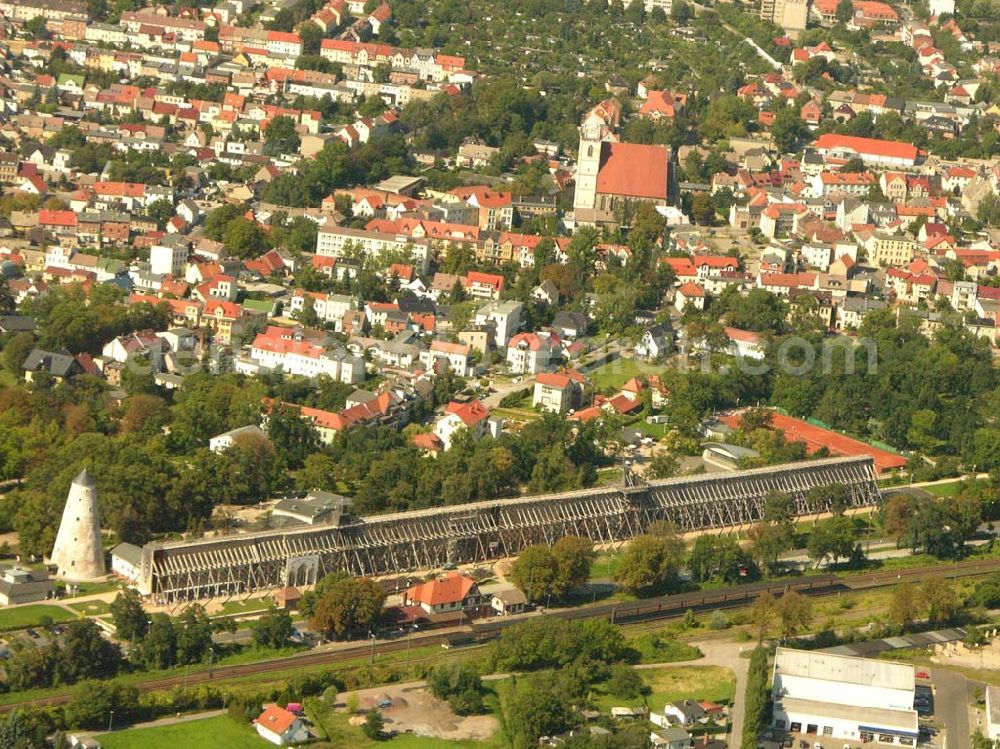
<point>756,699</point>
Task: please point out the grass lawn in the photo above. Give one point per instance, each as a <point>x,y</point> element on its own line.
<point>91,608</point>
<point>251,606</point>
<point>951,489</point>
<point>31,615</point>
<point>713,683</point>
<point>609,476</point>
<point>605,565</point>
<point>616,373</point>
<point>209,733</point>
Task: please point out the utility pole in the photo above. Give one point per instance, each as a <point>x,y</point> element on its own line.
<point>371,657</point>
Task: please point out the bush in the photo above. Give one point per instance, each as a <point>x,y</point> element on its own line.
<point>460,684</point>
<point>718,620</point>
<point>756,698</point>
<point>625,682</point>
<point>374,725</point>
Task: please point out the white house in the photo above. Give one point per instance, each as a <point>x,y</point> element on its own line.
<point>458,356</point>
<point>281,727</point>
<point>530,353</point>
<point>472,416</point>
<point>655,342</point>
<point>556,391</point>
<point>836,697</point>
<point>689,295</point>
<point>503,317</point>
<point>222,442</point>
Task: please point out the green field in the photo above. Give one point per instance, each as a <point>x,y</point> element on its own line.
<point>91,608</point>
<point>31,615</point>
<point>951,489</point>
<point>208,733</point>
<point>250,606</point>
<point>665,685</point>
<point>616,373</point>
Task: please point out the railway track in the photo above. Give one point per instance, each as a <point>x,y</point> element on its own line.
<point>646,610</point>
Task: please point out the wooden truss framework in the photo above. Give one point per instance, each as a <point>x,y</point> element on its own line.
<point>423,539</point>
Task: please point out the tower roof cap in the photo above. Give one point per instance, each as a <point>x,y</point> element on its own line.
<point>84,478</point>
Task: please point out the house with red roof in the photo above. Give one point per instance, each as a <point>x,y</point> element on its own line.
<point>530,353</point>
<point>689,295</point>
<point>559,392</point>
<point>483,285</point>
<point>442,595</point>
<point>281,727</point>
<point>663,105</point>
<point>472,417</point>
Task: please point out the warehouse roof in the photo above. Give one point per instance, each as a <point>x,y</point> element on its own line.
<point>844,669</point>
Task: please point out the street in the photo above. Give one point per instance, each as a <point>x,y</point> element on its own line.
<point>951,706</point>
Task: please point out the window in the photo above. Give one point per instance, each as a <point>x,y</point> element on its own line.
<point>828,730</point>
<point>886,738</point>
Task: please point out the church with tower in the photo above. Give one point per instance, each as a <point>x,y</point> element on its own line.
<point>611,176</point>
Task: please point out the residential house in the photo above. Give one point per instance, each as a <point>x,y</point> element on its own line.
<point>472,417</point>
<point>443,595</point>
<point>458,357</point>
<point>558,392</point>
<point>655,342</point>
<point>530,353</point>
<point>281,727</point>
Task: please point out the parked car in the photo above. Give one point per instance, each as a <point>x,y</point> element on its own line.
<point>922,675</point>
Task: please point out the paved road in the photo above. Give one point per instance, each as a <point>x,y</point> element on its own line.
<point>951,706</point>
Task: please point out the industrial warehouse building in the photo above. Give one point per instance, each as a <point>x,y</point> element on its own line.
<point>843,697</point>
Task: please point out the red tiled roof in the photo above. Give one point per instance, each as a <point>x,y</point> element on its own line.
<point>276,720</point>
<point>872,146</point>
<point>815,437</point>
<point>451,589</point>
<point>634,170</point>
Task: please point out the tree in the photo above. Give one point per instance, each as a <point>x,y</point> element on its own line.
<point>719,557</point>
<point>903,611</point>
<point>845,10</point>
<point>281,137</point>
<point>536,573</point>
<point>128,616</point>
<point>92,703</point>
<point>158,648</point>
<point>762,612</point>
<point>663,465</point>
<point>680,12</point>
<point>350,606</point>
<point>194,635</point>
<point>459,684</point>
<point>788,129</point>
<point>702,210</point>
<point>243,238</point>
<point>941,600</point>
<point>86,654</point>
<point>794,613</point>
<point>16,351</point>
<point>273,629</point>
<point>832,539</point>
<point>574,557</point>
<point>649,565</point>
<point>374,726</point>
<point>625,682</point>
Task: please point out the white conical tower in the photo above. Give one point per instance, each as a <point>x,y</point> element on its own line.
<point>77,553</point>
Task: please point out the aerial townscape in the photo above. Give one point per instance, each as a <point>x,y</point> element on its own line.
<point>426,374</point>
